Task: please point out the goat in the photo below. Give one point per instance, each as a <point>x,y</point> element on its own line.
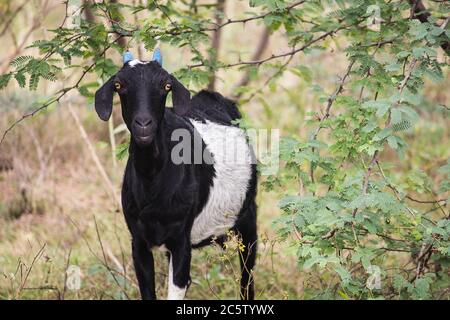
<point>181,205</point>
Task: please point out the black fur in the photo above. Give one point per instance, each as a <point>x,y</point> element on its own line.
<point>161,199</point>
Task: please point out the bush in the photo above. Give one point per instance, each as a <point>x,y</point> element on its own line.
<point>367,216</point>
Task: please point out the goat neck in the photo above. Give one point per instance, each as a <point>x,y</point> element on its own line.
<point>150,160</point>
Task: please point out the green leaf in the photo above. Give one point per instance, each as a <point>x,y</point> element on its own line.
<point>392,141</point>
<point>422,288</point>
<point>396,116</point>
<point>344,274</point>
<point>20,61</point>
<point>400,283</point>
<point>370,126</point>
<point>382,106</point>
<point>149,42</point>
<point>4,80</point>
<point>34,81</point>
<point>383,134</point>
<point>20,78</point>
<point>402,126</point>
<point>303,72</point>
<point>122,151</point>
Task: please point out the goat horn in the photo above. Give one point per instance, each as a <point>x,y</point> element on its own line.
<point>157,56</point>
<point>127,57</point>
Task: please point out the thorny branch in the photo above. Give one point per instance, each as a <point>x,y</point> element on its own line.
<point>375,157</point>
<point>275,56</point>
<point>19,46</point>
<point>176,31</point>
<point>216,41</point>
<point>61,93</point>
<point>330,102</point>
<point>420,12</point>
<point>261,16</point>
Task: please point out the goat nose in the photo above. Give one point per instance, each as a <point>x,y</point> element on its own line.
<point>143,122</point>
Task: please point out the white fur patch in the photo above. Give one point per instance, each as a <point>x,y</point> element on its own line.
<point>135,62</point>
<point>174,292</point>
<point>232,164</point>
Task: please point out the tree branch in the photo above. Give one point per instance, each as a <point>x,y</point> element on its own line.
<point>331,100</point>
<point>11,18</point>
<point>275,56</point>
<point>420,12</point>
<point>121,41</point>
<point>176,31</point>
<point>333,97</point>
<point>261,16</point>
<point>57,96</point>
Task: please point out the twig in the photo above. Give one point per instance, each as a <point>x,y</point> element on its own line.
<point>178,31</point>
<point>112,141</point>
<point>397,195</point>
<point>333,97</point>
<point>274,56</point>
<point>279,72</point>
<point>23,282</point>
<point>36,23</point>
<point>369,171</point>
<point>424,201</point>
<point>57,96</point>
<point>405,80</point>
<point>122,43</point>
<point>261,16</point>
<point>11,18</point>
<point>420,12</point>
<point>376,154</point>
<point>106,261</point>
<point>330,102</point>
<point>330,234</point>
<point>65,275</point>
<point>94,155</point>
<point>422,259</point>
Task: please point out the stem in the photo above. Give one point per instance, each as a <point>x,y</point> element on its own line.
<point>112,140</point>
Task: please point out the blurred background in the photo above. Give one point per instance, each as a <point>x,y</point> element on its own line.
<point>60,173</point>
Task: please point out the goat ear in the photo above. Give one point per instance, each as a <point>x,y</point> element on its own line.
<point>104,100</point>
<point>181,97</point>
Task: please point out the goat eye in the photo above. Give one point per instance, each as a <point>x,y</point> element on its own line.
<point>117,85</point>
<point>168,87</point>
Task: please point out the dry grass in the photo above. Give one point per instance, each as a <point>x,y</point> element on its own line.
<point>55,210</point>
<point>70,219</point>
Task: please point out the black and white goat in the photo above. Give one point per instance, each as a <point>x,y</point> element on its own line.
<point>180,205</point>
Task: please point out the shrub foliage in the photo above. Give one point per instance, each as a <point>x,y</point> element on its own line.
<point>360,229</point>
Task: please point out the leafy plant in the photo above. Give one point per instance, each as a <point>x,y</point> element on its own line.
<point>359,227</point>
